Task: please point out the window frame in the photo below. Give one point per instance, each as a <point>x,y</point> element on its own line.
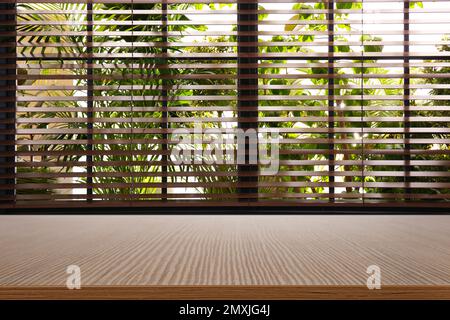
<point>242,62</point>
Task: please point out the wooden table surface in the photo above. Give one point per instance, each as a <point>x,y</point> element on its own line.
<point>225,256</point>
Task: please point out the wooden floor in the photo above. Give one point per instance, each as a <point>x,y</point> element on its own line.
<point>225,256</point>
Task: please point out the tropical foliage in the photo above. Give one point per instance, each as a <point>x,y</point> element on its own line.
<point>140,120</point>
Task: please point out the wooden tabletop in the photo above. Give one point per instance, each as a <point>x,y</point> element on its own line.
<point>225,256</point>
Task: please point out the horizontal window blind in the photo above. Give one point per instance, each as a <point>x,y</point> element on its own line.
<point>224,102</point>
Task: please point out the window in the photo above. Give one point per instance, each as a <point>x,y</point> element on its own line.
<point>208,102</point>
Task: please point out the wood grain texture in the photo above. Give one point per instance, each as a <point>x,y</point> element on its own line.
<point>227,293</point>
<point>147,253</point>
